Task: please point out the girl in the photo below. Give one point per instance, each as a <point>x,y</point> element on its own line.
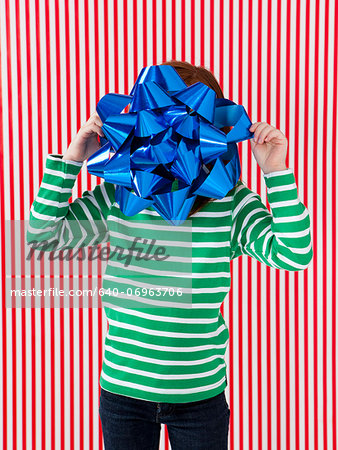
<point>166,365</point>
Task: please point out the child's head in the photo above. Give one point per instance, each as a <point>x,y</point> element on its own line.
<point>191,74</point>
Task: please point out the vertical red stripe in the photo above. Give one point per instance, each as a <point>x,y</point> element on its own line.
<point>106,43</point>
<point>164,30</point>
<point>183,43</point>
<point>173,33</point>
<point>125,44</point>
<point>116,49</point>
<point>202,42</point>
<point>250,300</point>
<point>82,331</point>
<point>268,269</point>
<point>22,230</point>
<point>324,216</point>
<point>306,181</point>
<point>193,27</point>
<point>40,159</point>
<point>145,36</point>
<point>60,376</point>
<point>240,293</point>
<point>91,316</point>
<point>259,268</point>
<point>73,385</point>
<point>49,132</point>
<point>135,40</point>
<point>250,278</point>
<point>3,271</point>
<point>315,229</point>
<point>11,196</point>
<point>296,171</point>
<point>94,401</point>
<point>334,236</point>
<point>287,283</point>
<point>231,376</point>
<point>221,47</point>
<point>212,34</point>
<point>154,32</point>
<point>277,290</point>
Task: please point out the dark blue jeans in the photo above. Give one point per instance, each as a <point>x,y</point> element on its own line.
<point>133,424</point>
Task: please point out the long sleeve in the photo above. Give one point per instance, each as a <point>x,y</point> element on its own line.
<point>280,239</point>
<point>54,223</point>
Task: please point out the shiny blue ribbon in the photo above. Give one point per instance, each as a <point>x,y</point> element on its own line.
<point>156,154</point>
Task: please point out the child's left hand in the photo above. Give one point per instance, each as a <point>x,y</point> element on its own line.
<point>269,147</point>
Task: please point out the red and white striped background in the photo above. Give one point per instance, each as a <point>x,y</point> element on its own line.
<point>278,59</point>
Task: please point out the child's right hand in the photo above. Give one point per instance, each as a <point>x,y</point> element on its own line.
<point>85,142</point>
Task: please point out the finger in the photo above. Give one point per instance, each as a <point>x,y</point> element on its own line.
<point>94,118</point>
<point>262,131</point>
<point>98,123</point>
<point>272,134</point>
<point>97,129</point>
<point>259,126</point>
<point>98,119</point>
<point>90,120</point>
<point>93,125</point>
<point>254,126</point>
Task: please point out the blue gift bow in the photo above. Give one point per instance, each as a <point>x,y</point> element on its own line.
<point>156,153</point>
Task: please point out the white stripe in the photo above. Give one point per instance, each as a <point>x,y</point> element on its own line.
<point>55,156</point>
<point>48,202</point>
<point>291,263</point>
<point>249,198</point>
<point>160,376</point>
<point>205,214</point>
<point>187,259</point>
<point>44,216</point>
<point>105,195</point>
<point>90,219</point>
<point>166,272</point>
<point>173,243</point>
<point>143,330</point>
<point>202,214</point>
<point>300,251</point>
<point>164,362</point>
<point>250,250</point>
<point>161,391</point>
<point>269,235</point>
<point>139,224</point>
<point>165,348</point>
<point>139,299</point>
<point>59,173</point>
<point>293,234</point>
<point>277,173</point>
<point>117,279</point>
<point>291,219</point>
<point>285,187</point>
<point>52,187</point>
<point>32,230</point>
<point>245,222</point>
<point>285,203</point>
<point>158,318</point>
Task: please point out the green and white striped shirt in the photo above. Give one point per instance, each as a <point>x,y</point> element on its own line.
<point>156,349</point>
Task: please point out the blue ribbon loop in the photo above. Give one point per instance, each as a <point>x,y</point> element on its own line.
<point>156,154</point>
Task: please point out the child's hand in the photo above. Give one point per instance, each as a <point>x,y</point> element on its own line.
<point>269,147</point>
<point>85,142</point>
